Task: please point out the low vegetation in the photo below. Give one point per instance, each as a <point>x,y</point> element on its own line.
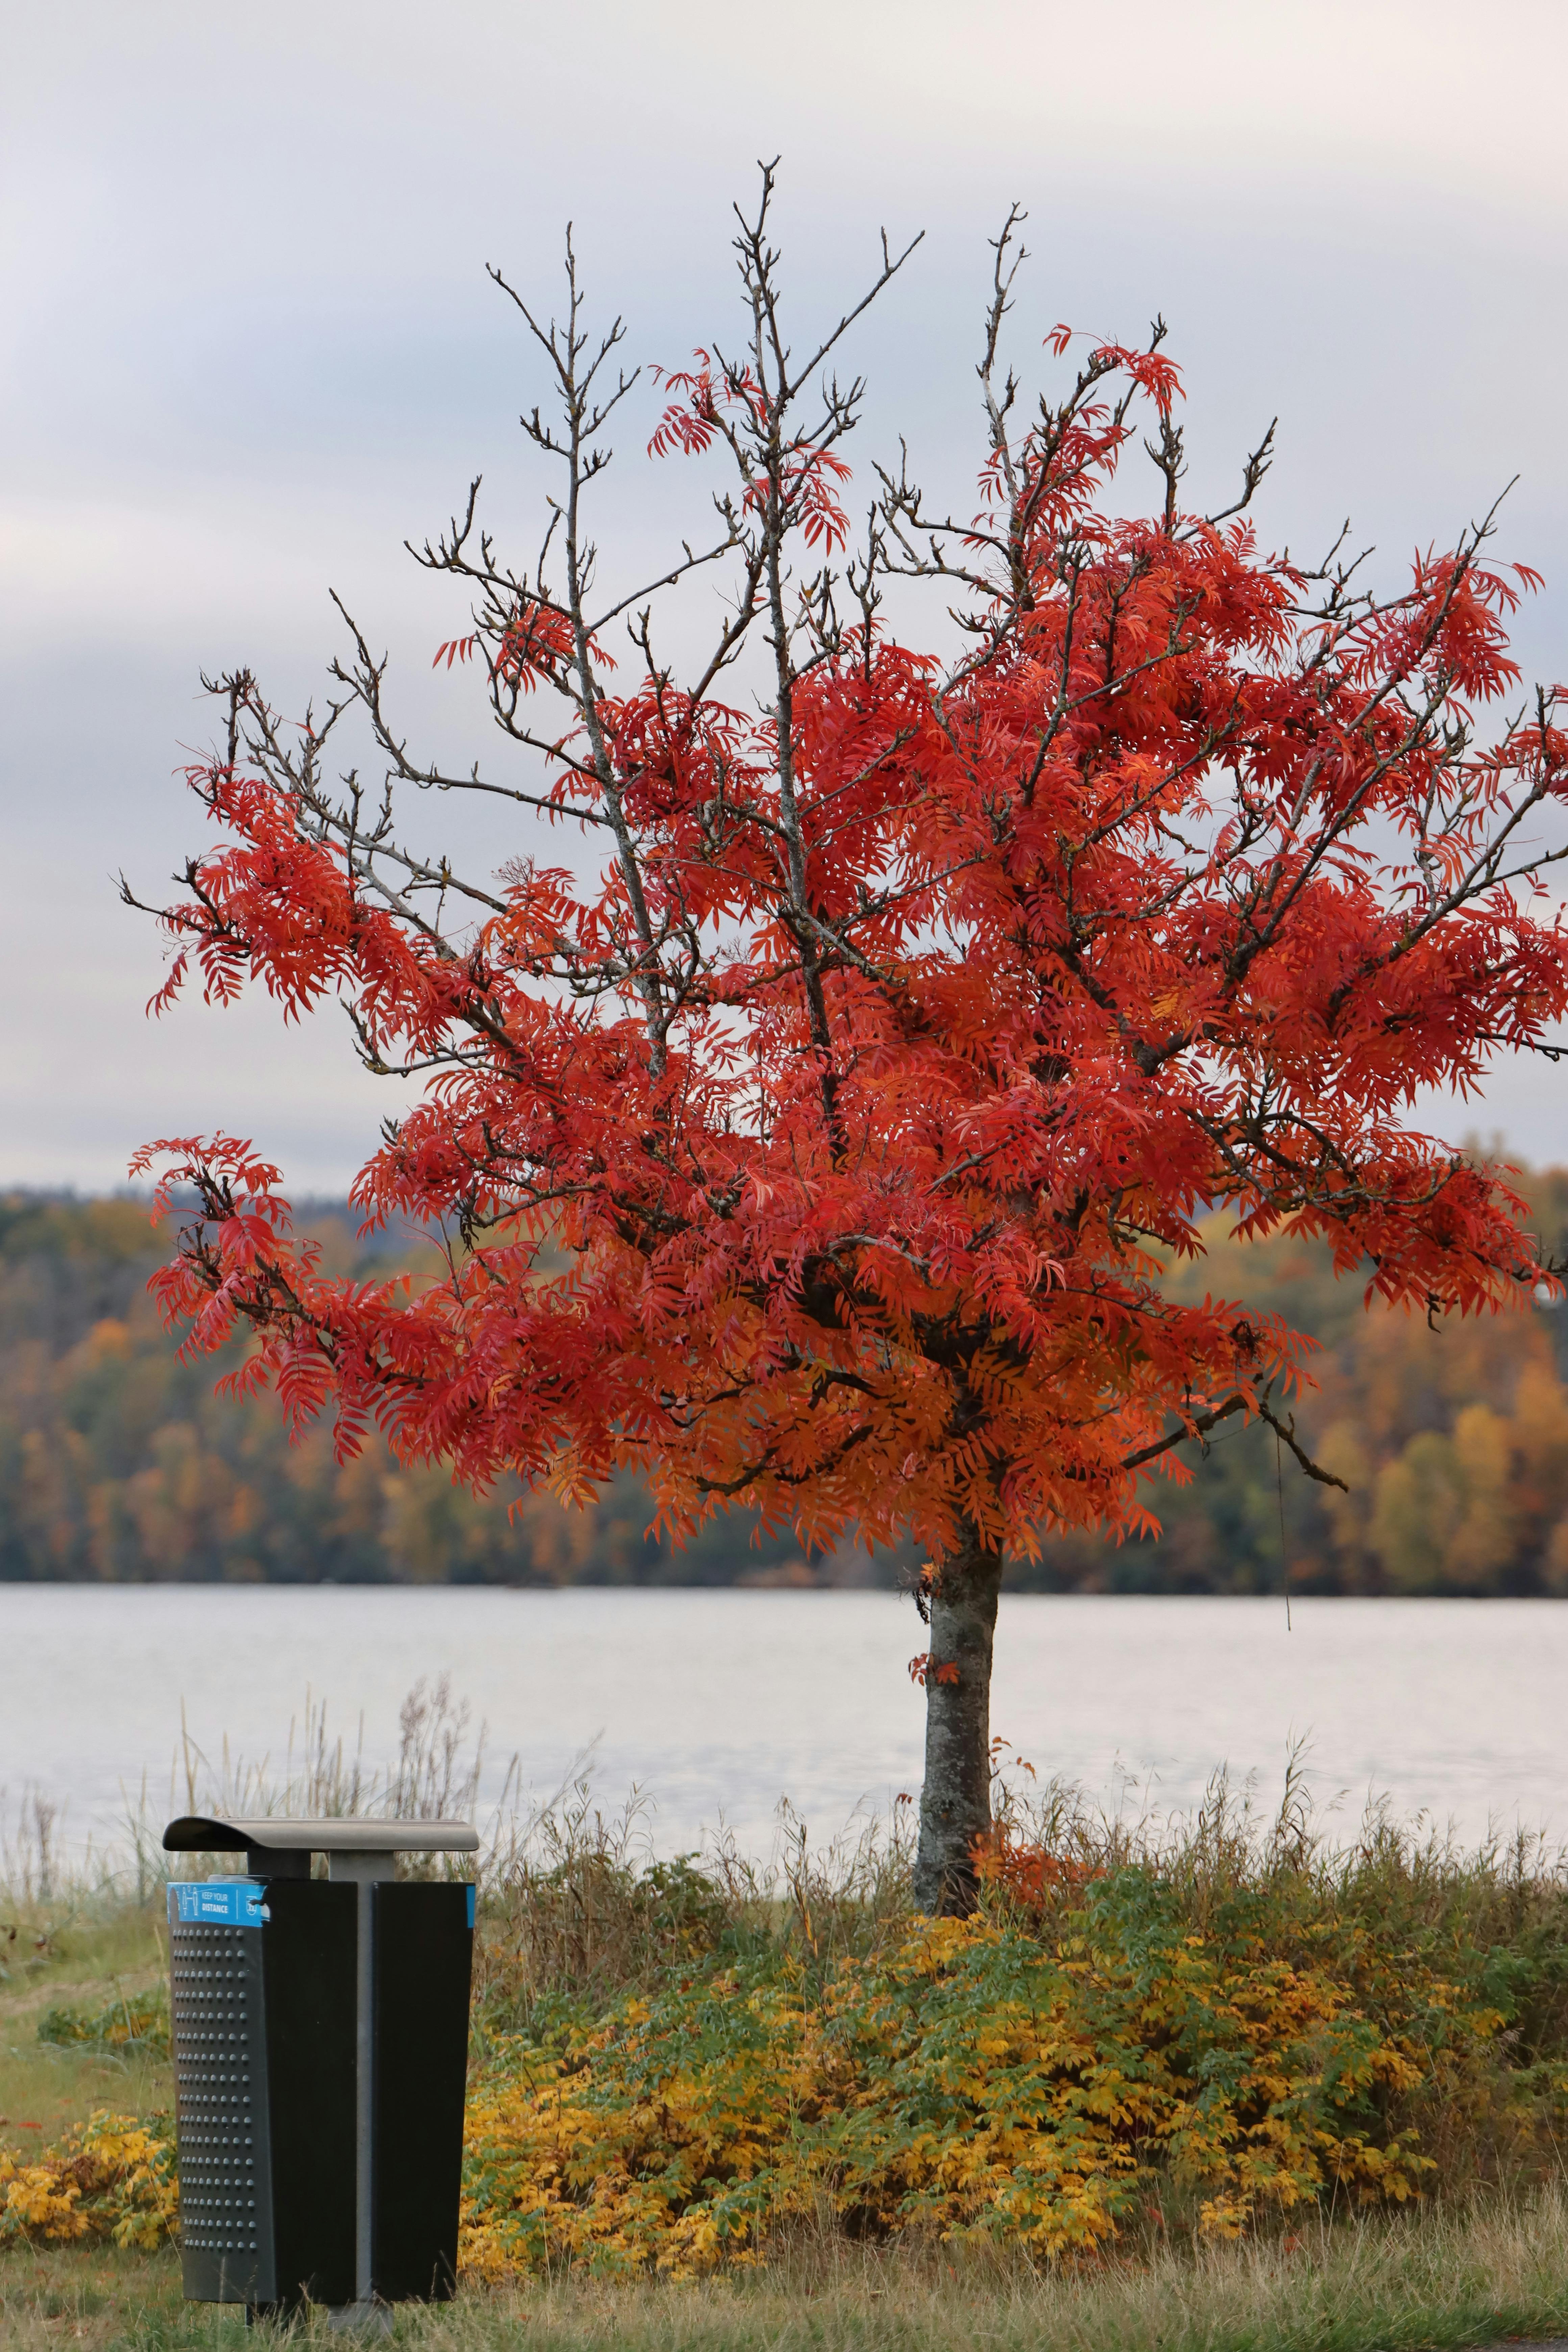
<point>1219,2081</point>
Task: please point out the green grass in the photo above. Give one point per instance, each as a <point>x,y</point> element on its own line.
<point>1434,2279</point>
<point>87,1956</point>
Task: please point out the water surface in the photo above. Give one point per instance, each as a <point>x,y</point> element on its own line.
<point>717,1703</point>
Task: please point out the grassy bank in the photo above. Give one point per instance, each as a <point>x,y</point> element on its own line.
<point>1222,2081</point>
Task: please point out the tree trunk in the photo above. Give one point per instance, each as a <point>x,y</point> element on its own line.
<point>955,1800</point>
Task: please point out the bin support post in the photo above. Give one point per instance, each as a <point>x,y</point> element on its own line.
<point>362,1871</point>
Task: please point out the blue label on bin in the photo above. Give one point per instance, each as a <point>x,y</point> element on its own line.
<point>471,1893</point>
<point>219,1902</point>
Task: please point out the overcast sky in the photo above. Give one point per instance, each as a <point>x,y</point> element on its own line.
<point>248,345</point>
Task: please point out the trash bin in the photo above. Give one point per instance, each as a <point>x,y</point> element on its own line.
<point>321,2032</point>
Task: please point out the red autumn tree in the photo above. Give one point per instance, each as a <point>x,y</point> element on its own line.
<point>814,1142</point>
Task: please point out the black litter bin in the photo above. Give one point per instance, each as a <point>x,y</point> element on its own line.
<point>321,2030</point>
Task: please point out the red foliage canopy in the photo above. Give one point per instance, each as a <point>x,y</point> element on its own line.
<point>819,1149</point>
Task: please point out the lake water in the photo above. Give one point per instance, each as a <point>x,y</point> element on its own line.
<point>717,1703</point>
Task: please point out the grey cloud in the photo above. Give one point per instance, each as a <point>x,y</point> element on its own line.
<point>248,345</point>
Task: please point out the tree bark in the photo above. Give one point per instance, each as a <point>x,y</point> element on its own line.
<point>955,1800</point>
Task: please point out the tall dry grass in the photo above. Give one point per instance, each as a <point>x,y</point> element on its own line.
<point>1436,2281</point>
<point>1443,2277</point>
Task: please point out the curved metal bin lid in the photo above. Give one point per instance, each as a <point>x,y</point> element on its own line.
<point>277,1834</point>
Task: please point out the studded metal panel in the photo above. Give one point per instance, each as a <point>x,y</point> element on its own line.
<point>220,2076</point>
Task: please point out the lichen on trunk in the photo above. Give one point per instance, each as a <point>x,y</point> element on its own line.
<point>955,1798</point>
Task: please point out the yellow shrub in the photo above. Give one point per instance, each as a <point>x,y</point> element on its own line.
<point>971,2082</point>
<point>112,2179</point>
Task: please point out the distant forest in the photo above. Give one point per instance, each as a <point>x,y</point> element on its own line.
<point>117,1463</point>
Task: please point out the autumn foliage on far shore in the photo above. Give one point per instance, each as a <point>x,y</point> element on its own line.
<point>118,1461</point>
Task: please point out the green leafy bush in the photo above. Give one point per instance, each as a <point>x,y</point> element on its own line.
<point>130,2022</point>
